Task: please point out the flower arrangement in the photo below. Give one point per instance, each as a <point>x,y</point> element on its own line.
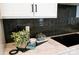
<point>20,37</point>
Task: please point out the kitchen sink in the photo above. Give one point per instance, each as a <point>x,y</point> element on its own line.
<point>67,40</point>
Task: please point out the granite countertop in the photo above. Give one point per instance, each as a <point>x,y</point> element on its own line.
<point>49,47</point>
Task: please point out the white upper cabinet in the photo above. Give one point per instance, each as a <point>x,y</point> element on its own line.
<point>47,10</point>
<point>29,10</point>
<point>17,10</point>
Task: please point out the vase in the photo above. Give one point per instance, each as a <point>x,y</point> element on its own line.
<point>32,43</point>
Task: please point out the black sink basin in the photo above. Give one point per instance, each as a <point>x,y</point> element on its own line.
<point>68,40</point>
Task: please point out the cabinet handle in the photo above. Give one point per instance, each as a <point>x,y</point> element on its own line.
<point>35,7</point>
<point>32,8</point>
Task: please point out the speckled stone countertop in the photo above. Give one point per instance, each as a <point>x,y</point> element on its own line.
<point>51,47</point>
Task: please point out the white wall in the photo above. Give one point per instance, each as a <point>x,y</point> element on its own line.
<point>2,40</point>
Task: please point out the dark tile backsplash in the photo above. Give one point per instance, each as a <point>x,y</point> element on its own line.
<point>49,26</point>
<point>66,10</point>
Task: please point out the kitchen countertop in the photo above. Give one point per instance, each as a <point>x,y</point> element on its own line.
<point>51,47</point>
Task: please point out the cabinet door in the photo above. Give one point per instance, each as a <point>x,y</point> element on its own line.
<point>46,10</point>
<point>17,10</point>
